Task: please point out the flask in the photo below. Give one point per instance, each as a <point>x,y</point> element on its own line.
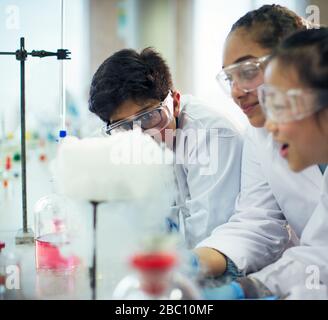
<point>155,276</point>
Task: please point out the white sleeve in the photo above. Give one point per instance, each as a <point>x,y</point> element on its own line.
<point>214,186</point>
<point>257,234</point>
<point>302,272</point>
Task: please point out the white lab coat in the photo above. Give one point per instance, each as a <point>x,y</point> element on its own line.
<point>257,238</point>
<point>206,191</point>
<point>302,272</point>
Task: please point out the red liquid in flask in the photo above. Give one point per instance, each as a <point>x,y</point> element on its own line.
<point>48,254</point>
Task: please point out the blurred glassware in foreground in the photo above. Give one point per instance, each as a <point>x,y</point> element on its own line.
<point>156,276</point>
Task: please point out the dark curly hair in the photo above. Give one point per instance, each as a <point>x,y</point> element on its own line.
<point>126,75</point>
<point>269,24</point>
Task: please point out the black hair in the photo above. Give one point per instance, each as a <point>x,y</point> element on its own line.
<point>270,24</point>
<point>307,52</point>
<point>127,75</point>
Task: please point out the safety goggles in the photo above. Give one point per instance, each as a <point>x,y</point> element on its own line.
<point>150,121</point>
<point>292,105</point>
<point>246,75</point>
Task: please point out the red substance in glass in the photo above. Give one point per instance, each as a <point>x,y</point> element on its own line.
<point>48,255</point>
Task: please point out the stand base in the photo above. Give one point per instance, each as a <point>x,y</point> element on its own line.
<point>25,237</point>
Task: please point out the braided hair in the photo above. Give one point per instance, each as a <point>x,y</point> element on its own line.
<point>270,24</point>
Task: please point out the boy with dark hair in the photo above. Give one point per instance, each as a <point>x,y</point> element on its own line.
<point>133,88</point>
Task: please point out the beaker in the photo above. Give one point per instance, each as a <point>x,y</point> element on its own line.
<point>53,235</point>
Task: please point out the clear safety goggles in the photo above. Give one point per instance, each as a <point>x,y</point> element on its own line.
<point>246,75</point>
<point>292,105</point>
<point>151,121</point>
